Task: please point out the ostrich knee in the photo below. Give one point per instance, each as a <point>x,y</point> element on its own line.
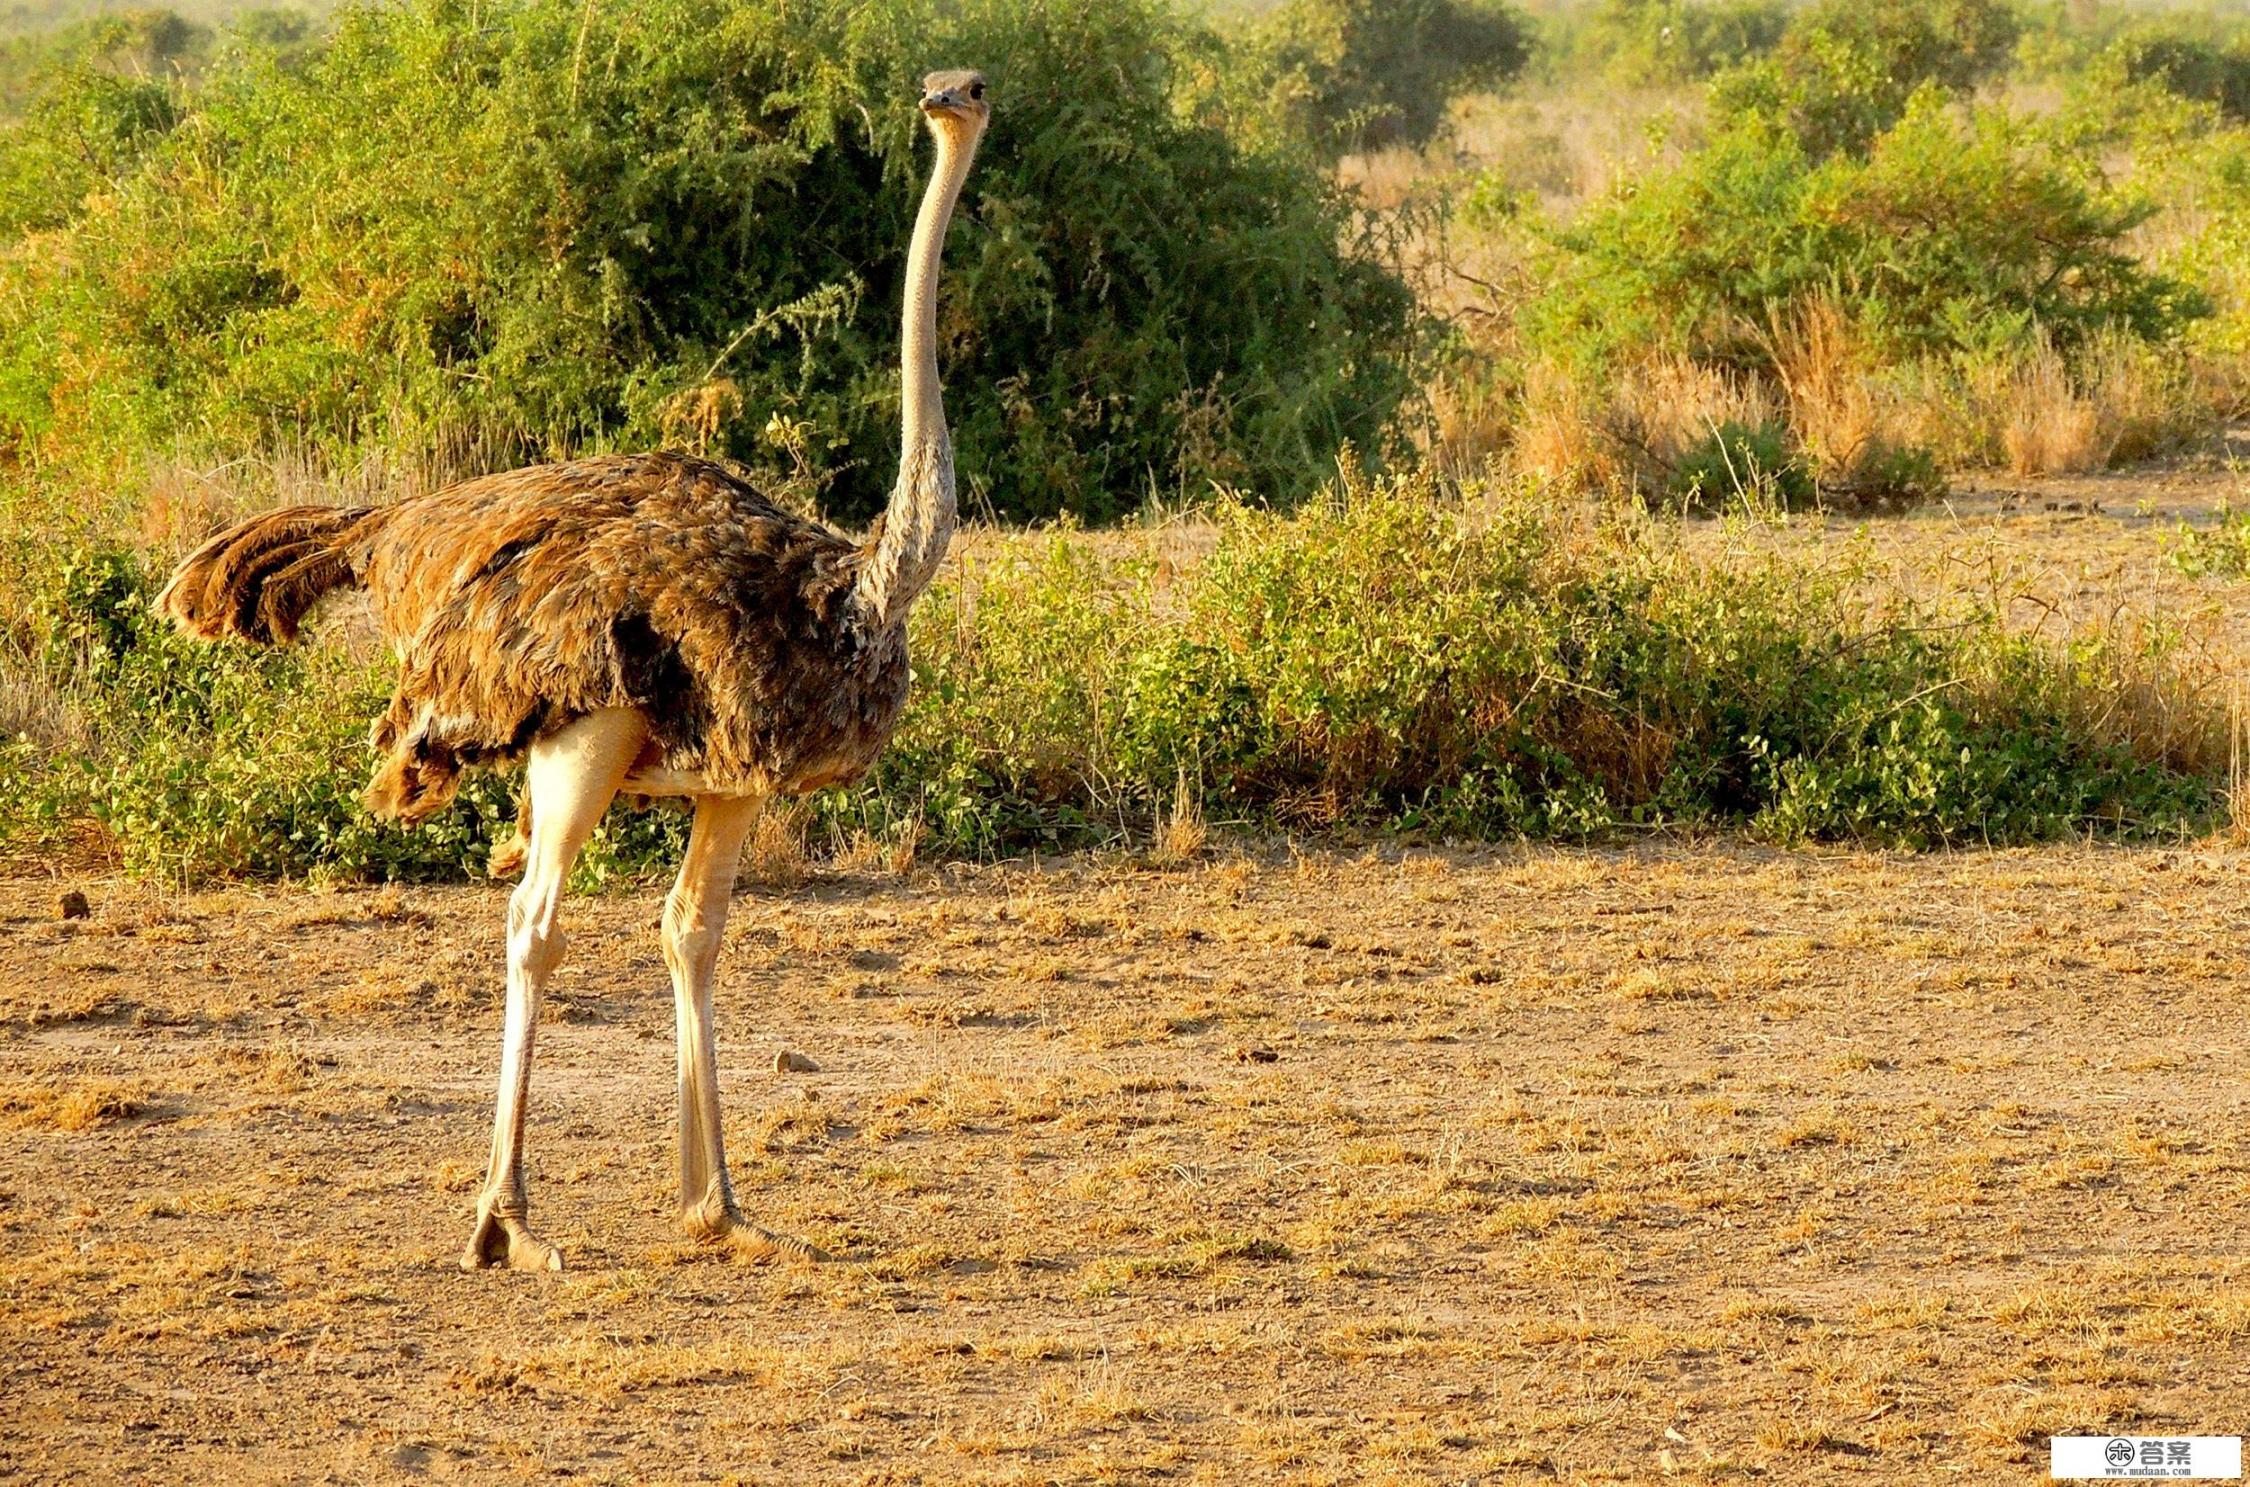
<point>535,940</point>
<point>691,943</point>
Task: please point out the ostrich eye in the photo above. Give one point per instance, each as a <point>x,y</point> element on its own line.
<point>976,90</point>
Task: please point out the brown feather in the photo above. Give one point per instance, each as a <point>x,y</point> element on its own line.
<point>182,594</point>
<point>286,596</point>
<point>213,603</point>
<point>215,590</point>
<point>247,588</point>
<point>656,582</point>
<point>520,602</point>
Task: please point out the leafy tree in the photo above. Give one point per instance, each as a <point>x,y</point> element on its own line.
<point>1345,75</point>
<point>523,228</point>
<point>2196,67</point>
<point>1677,41</point>
<point>1953,234</point>
<point>1846,69</point>
<point>81,103</point>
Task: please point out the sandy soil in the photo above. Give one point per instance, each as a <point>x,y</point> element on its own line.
<point>1707,1160</point>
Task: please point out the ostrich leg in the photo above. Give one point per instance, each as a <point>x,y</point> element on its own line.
<point>569,782</point>
<point>695,917</point>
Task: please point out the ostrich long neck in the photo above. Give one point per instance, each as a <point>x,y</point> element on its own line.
<point>919,521</point>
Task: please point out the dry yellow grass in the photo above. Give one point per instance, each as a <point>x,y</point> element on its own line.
<point>775,854</point>
<point>1182,833</point>
<point>2048,426</point>
<point>1631,433</point>
<point>80,1103</point>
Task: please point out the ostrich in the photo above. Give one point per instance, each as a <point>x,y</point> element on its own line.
<point>646,624</point>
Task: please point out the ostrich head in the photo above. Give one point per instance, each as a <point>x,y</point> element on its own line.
<point>955,105</point>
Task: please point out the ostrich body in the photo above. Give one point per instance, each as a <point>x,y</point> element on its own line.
<point>647,624</point>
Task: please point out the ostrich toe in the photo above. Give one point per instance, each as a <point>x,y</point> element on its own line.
<point>503,1239</point>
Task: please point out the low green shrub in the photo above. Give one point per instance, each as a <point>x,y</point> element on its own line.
<point>1884,475</point>
<point>1388,661</point>
<point>1739,466</point>
<point>2220,550</point>
<point>215,758</point>
<point>1381,660</point>
<point>2208,175</point>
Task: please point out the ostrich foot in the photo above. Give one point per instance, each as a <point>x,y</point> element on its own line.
<point>503,1239</point>
<point>726,1225</point>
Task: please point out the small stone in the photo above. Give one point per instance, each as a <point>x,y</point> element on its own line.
<point>71,904</point>
<point>1249,1055</point>
<point>789,1061</point>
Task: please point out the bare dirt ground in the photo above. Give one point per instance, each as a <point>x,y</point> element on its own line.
<point>1692,1159</point>
<point>2060,556</point>
<point>1593,1165</point>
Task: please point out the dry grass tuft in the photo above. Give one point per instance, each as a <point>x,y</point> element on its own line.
<point>81,1105</point>
<point>1181,832</point>
<point>775,856</point>
<point>2238,767</point>
<point>1097,1397</point>
<point>1666,407</point>
<point>2112,401</point>
<point>2048,426</point>
<point>279,1068</point>
<point>1845,416</point>
<point>863,852</point>
<point>1631,434</point>
<point>2136,695</point>
<point>1558,431</point>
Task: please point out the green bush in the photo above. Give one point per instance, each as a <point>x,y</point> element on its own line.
<point>1846,69</point>
<point>2198,166</point>
<point>2221,549</point>
<point>1742,467</point>
<point>1380,660</point>
<point>1952,235</point>
<point>685,222</point>
<point>81,105</point>
<point>214,758</point>
<point>143,44</point>
<point>1641,42</point>
<point>1345,75</point>
<point>1887,475</point>
<point>2198,67</point>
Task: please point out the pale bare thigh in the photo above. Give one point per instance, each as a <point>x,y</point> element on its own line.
<point>649,777</point>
